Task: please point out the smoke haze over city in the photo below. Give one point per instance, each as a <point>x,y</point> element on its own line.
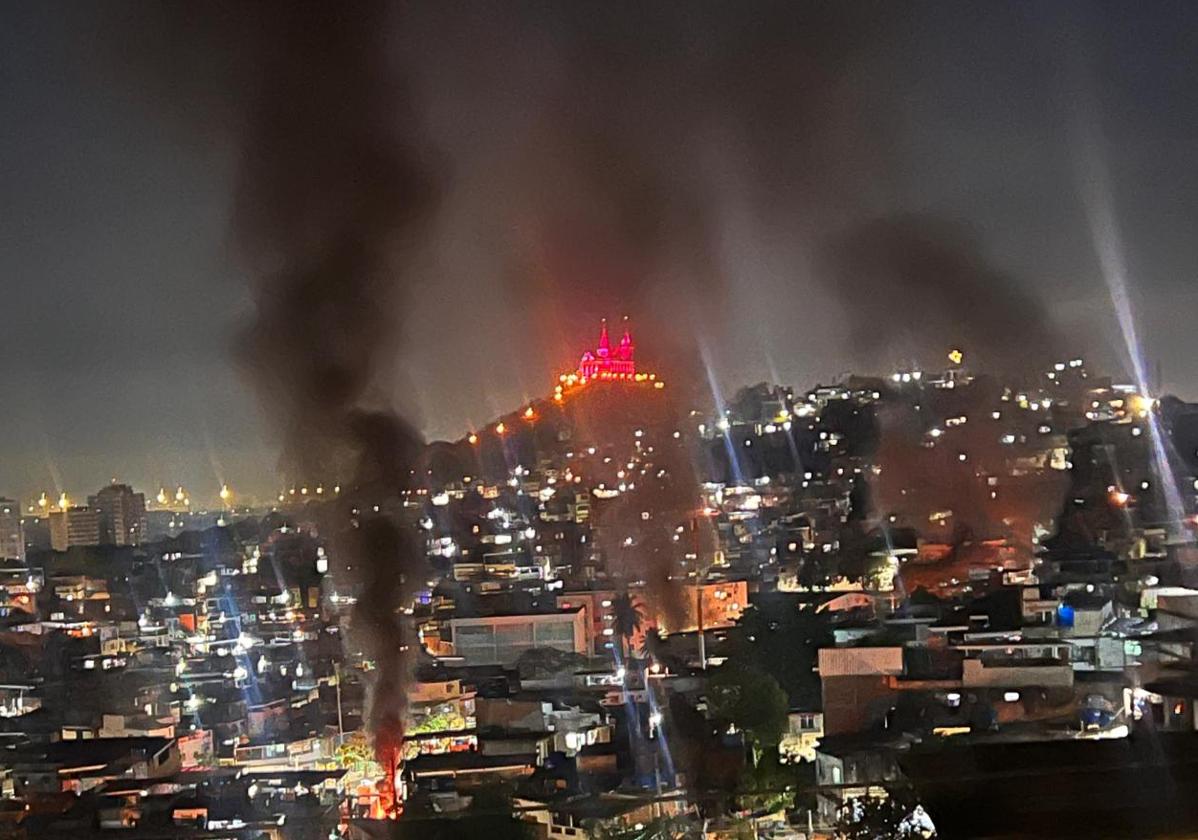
<point>598,420</point>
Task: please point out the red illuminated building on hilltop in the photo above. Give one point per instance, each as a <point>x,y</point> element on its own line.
<point>605,364</point>
<point>602,363</point>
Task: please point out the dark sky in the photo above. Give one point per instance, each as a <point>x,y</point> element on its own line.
<point>711,151</point>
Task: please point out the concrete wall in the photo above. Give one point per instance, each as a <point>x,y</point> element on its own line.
<point>975,674</point>
<point>853,704</point>
<point>501,639</point>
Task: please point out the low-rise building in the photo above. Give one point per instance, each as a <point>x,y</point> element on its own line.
<point>500,639</point>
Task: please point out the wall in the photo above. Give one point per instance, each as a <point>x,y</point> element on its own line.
<point>975,674</point>
<point>853,704</point>
<point>501,639</point>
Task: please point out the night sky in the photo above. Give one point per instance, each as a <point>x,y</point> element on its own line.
<point>698,166</point>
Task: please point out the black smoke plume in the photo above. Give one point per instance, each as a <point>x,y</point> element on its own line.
<point>331,191</point>
<point>604,156</point>
<point>910,283</point>
<point>616,158</point>
<point>601,159</point>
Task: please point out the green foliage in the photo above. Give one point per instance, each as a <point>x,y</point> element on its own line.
<point>776,637</point>
<point>752,701</point>
<point>544,662</point>
<point>767,786</point>
<point>355,753</point>
<point>627,618</point>
<point>653,646</point>
<point>205,760</point>
<point>449,721</point>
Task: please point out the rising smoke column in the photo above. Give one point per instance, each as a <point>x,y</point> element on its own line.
<point>908,282</point>
<point>600,176</point>
<point>628,158</point>
<point>330,194</point>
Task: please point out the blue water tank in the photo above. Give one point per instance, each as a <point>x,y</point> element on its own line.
<point>1064,616</point>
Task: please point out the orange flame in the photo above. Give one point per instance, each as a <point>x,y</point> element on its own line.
<point>388,750</point>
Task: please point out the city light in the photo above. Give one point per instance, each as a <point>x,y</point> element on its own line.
<point>878,591</point>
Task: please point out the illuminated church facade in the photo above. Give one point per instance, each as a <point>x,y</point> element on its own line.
<point>605,363</point>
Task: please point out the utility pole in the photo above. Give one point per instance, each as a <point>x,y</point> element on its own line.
<point>337,677</point>
<point>700,576</point>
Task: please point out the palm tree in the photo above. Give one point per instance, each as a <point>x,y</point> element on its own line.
<point>627,618</point>
<point>653,645</point>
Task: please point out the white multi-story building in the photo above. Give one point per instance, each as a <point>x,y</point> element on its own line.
<point>12,532</point>
<point>500,639</point>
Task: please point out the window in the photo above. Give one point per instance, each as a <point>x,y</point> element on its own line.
<point>555,633</point>
<point>514,635</point>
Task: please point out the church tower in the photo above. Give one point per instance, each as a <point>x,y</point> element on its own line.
<point>603,363</point>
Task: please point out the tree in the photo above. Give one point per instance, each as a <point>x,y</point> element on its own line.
<point>448,721</point>
<point>545,662</point>
<point>768,786</point>
<point>205,759</point>
<point>355,753</point>
<point>653,646</point>
<point>627,618</point>
<point>778,638</point>
<point>752,701</point>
